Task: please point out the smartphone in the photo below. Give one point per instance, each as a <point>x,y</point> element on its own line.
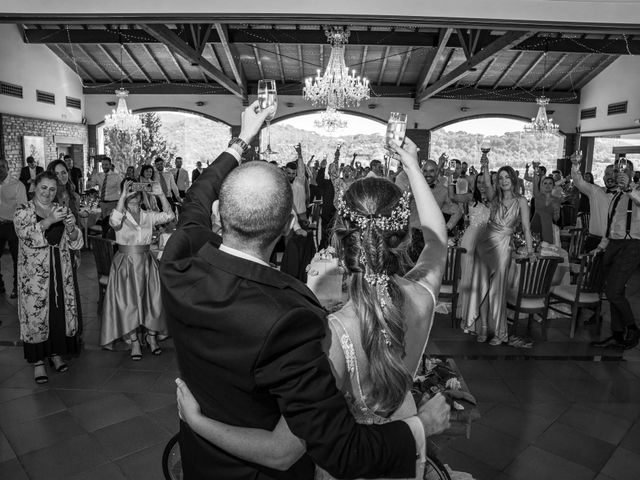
<point>141,187</point>
<point>452,165</point>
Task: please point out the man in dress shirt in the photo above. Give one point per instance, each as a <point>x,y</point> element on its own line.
<point>108,183</point>
<point>167,182</point>
<point>181,177</point>
<point>296,172</point>
<point>28,176</point>
<point>196,171</point>
<point>12,195</point>
<point>599,200</point>
<point>621,246</point>
<point>376,169</point>
<point>75,174</point>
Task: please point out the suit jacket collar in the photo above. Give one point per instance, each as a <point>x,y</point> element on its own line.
<point>254,271</point>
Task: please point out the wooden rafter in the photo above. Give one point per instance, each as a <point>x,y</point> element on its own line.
<point>236,68</point>
<point>571,70</point>
<point>177,64</point>
<point>204,38</point>
<point>115,61</point>
<point>155,60</point>
<point>446,62</point>
<point>214,57</point>
<point>256,55</point>
<point>384,64</point>
<point>432,58</point>
<point>464,43</point>
<point>300,64</point>
<point>407,56</point>
<point>364,60</point>
<point>485,70</point>
<point>506,41</point>
<point>595,72</point>
<point>96,63</point>
<point>321,57</point>
<point>549,71</point>
<point>136,63</point>
<point>507,70</point>
<point>176,45</point>
<point>75,66</point>
<point>529,70</point>
<point>280,64</point>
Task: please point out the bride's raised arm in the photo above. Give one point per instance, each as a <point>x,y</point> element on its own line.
<point>431,263</point>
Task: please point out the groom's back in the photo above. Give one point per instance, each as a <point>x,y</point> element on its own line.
<point>221,309</point>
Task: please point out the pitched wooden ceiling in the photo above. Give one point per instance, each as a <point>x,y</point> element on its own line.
<point>399,60</point>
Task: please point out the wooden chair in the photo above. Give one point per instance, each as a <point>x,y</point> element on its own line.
<point>103,250</point>
<point>584,218</point>
<point>567,215</point>
<point>314,221</point>
<point>532,293</point>
<point>586,293</point>
<point>450,280</point>
<point>575,249</point>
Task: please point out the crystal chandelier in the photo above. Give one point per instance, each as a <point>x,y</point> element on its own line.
<point>330,120</point>
<point>336,88</point>
<point>122,118</point>
<point>541,125</point>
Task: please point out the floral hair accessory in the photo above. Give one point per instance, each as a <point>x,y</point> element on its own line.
<point>398,220</point>
<point>386,337</point>
<point>381,282</point>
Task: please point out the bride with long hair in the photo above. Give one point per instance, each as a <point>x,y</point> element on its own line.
<point>378,337</point>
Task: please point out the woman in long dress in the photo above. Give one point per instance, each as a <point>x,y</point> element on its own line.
<point>133,299</point>
<point>479,214</point>
<point>488,299</point>
<point>47,302</point>
<point>379,336</point>
<point>547,211</point>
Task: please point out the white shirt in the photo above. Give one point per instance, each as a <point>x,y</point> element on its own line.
<point>183,179</point>
<point>12,195</point>
<point>128,232</point>
<point>170,183</point>
<point>240,254</point>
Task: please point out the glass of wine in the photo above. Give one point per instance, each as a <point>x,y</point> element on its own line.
<point>267,96</point>
<point>396,128</point>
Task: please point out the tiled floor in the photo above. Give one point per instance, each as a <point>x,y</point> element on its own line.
<point>545,414</point>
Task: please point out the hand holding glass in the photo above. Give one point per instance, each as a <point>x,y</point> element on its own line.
<point>396,128</point>
<point>268,96</point>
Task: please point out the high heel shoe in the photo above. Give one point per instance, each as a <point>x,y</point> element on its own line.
<point>155,349</point>
<point>136,357</point>
<point>40,373</point>
<point>56,362</point>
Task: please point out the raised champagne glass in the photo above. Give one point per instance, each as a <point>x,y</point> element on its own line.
<point>396,129</point>
<point>485,148</point>
<point>267,96</point>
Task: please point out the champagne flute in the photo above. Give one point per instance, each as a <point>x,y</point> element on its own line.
<point>396,128</point>
<point>267,96</point>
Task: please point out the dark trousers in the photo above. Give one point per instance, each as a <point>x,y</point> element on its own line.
<point>8,235</point>
<point>591,242</point>
<point>621,259</point>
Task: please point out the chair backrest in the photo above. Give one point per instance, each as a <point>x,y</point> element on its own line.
<point>585,218</point>
<point>316,208</point>
<point>591,275</point>
<point>576,244</point>
<point>103,250</point>
<point>535,277</point>
<point>452,268</point>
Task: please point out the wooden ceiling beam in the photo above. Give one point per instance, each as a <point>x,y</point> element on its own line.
<point>177,64</point>
<point>300,64</point>
<point>484,71</point>
<point>280,64</point>
<point>136,63</point>
<point>572,70</point>
<point>73,65</point>
<point>549,71</point>
<point>595,72</point>
<point>176,45</point>
<point>529,69</point>
<point>256,55</point>
<point>507,70</point>
<point>96,63</point>
<point>230,52</point>
<point>364,60</point>
<point>505,42</point>
<point>384,64</point>
<point>463,43</point>
<point>432,57</point>
<point>115,61</point>
<point>407,56</point>
<point>165,75</point>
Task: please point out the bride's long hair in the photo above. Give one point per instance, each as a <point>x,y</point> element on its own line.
<point>372,233</point>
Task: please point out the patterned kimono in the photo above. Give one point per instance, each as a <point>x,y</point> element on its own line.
<point>34,276</point>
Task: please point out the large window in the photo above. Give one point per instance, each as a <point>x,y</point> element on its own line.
<point>603,153</point>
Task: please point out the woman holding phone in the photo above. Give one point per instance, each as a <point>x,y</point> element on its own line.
<point>132,299</point>
<point>47,302</point>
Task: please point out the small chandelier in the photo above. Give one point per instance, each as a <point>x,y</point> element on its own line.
<point>336,87</point>
<point>122,118</point>
<point>541,125</point>
<point>330,120</point>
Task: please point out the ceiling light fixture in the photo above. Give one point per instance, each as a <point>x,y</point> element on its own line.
<point>122,118</point>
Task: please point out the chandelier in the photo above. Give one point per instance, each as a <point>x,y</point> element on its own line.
<point>336,87</point>
<point>541,125</point>
<point>122,118</point>
<point>330,120</point>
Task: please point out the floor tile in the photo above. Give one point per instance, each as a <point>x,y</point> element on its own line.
<point>631,440</point>
<point>628,411</point>
<point>570,444</point>
<point>623,465</point>
<point>105,411</point>
<point>12,469</point>
<point>596,424</point>
<point>464,463</point>
<point>81,378</point>
<point>489,446</point>
<point>7,394</point>
<point>587,390</point>
<point>604,371</point>
<point>564,370</point>
<point>41,432</point>
<point>64,458</point>
<point>520,370</point>
<point>107,471</point>
<point>132,435</point>
<point>490,390</point>
<point>165,383</point>
<point>71,397</point>
<point>551,410</point>
<point>535,390</point>
<point>167,417</point>
<point>153,401</point>
<point>149,362</point>
<point>30,406</point>
<point>515,422</point>
<point>6,450</point>
<point>131,381</point>
<point>535,463</point>
<point>144,465</point>
<point>478,369</point>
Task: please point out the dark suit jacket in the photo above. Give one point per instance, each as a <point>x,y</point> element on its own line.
<point>248,341</point>
<point>195,173</point>
<point>25,176</point>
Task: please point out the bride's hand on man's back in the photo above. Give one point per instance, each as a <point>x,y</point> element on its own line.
<point>435,414</point>
<point>188,406</point>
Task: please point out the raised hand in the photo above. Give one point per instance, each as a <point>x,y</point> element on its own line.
<point>252,120</point>
<point>408,153</point>
<point>126,189</point>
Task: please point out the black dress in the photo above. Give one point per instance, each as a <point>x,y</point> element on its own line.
<point>58,342</point>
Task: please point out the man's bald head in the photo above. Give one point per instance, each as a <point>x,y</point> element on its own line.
<point>255,204</point>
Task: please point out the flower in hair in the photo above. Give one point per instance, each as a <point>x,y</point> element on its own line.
<point>381,283</point>
<point>386,337</point>
<point>397,220</point>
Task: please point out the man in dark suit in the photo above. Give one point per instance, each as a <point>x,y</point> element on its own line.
<point>249,339</point>
<point>28,176</point>
<point>75,174</point>
<point>196,172</point>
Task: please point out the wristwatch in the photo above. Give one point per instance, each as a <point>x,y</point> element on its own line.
<point>239,145</point>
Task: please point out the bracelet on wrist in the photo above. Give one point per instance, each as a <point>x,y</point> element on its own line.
<point>237,141</point>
